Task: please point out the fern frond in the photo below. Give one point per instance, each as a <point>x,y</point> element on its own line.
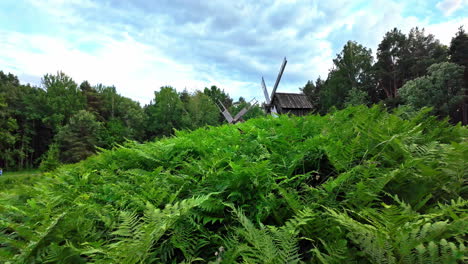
<point>141,236</point>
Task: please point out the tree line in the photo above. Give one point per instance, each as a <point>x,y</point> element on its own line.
<point>413,70</point>
<point>63,122</point>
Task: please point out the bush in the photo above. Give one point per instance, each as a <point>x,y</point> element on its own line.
<point>50,159</point>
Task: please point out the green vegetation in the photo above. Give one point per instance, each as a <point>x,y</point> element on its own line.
<point>431,74</point>
<point>357,185</point>
<point>63,122</point>
<point>354,186</point>
<point>11,179</point>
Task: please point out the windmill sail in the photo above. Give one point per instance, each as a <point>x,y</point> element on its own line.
<point>265,91</point>
<point>269,107</point>
<point>245,110</point>
<point>278,79</point>
<point>241,113</point>
<point>228,116</point>
<point>225,113</point>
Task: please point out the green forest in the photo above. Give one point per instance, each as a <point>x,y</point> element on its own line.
<point>375,174</point>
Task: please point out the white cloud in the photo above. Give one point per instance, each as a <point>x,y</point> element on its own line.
<point>449,6</point>
<point>445,31</point>
<point>135,68</point>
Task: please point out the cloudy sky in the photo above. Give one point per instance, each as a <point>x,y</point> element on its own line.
<point>141,45</point>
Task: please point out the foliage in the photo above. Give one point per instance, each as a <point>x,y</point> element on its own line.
<point>442,89</point>
<point>31,117</point>
<point>354,186</point>
<point>7,138</point>
<point>390,64</point>
<point>312,91</point>
<point>352,72</point>
<point>165,114</point>
<point>216,94</point>
<point>459,54</point>
<point>424,50</point>
<point>50,161</point>
<point>201,111</point>
<point>356,97</point>
<point>62,99</point>
<point>77,139</point>
<point>40,113</point>
<point>459,48</point>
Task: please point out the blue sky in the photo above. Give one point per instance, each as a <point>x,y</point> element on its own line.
<point>141,45</point>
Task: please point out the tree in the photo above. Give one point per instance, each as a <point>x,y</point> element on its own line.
<point>8,126</point>
<point>117,109</point>
<point>423,51</point>
<point>94,100</point>
<point>312,91</point>
<point>389,67</point>
<point>352,70</point>
<point>78,139</point>
<point>50,160</point>
<point>164,114</point>
<point>402,58</point>
<point>201,111</point>
<point>114,132</point>
<point>62,99</point>
<point>459,54</point>
<point>184,96</point>
<point>442,89</point>
<point>24,107</point>
<point>458,50</point>
<point>217,94</point>
<point>356,97</point>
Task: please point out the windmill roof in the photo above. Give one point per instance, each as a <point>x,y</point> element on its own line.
<point>292,100</point>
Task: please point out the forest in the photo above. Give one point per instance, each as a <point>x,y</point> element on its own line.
<point>65,122</point>
<point>376,174</point>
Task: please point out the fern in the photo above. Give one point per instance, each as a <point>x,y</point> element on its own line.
<point>358,185</point>
<point>140,235</point>
<point>266,244</point>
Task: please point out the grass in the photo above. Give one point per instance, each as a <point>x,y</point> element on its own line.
<point>22,173</point>
<point>11,178</point>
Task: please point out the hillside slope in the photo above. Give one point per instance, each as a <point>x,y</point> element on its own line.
<point>357,185</point>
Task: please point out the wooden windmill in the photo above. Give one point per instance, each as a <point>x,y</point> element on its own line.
<point>284,103</point>
<point>238,117</point>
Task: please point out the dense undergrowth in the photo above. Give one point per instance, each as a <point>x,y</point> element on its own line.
<point>355,186</point>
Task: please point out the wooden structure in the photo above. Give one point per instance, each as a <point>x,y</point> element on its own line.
<point>285,103</point>
<point>291,103</point>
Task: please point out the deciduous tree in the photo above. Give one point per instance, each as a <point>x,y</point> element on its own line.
<point>441,89</point>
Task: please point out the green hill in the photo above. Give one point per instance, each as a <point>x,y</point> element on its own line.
<point>355,186</point>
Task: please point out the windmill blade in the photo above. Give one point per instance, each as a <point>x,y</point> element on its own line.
<point>225,113</point>
<point>228,116</point>
<point>253,104</point>
<point>245,110</point>
<point>278,78</point>
<point>265,92</point>
<point>240,114</point>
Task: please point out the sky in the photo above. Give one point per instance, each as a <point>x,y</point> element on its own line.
<point>140,45</point>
